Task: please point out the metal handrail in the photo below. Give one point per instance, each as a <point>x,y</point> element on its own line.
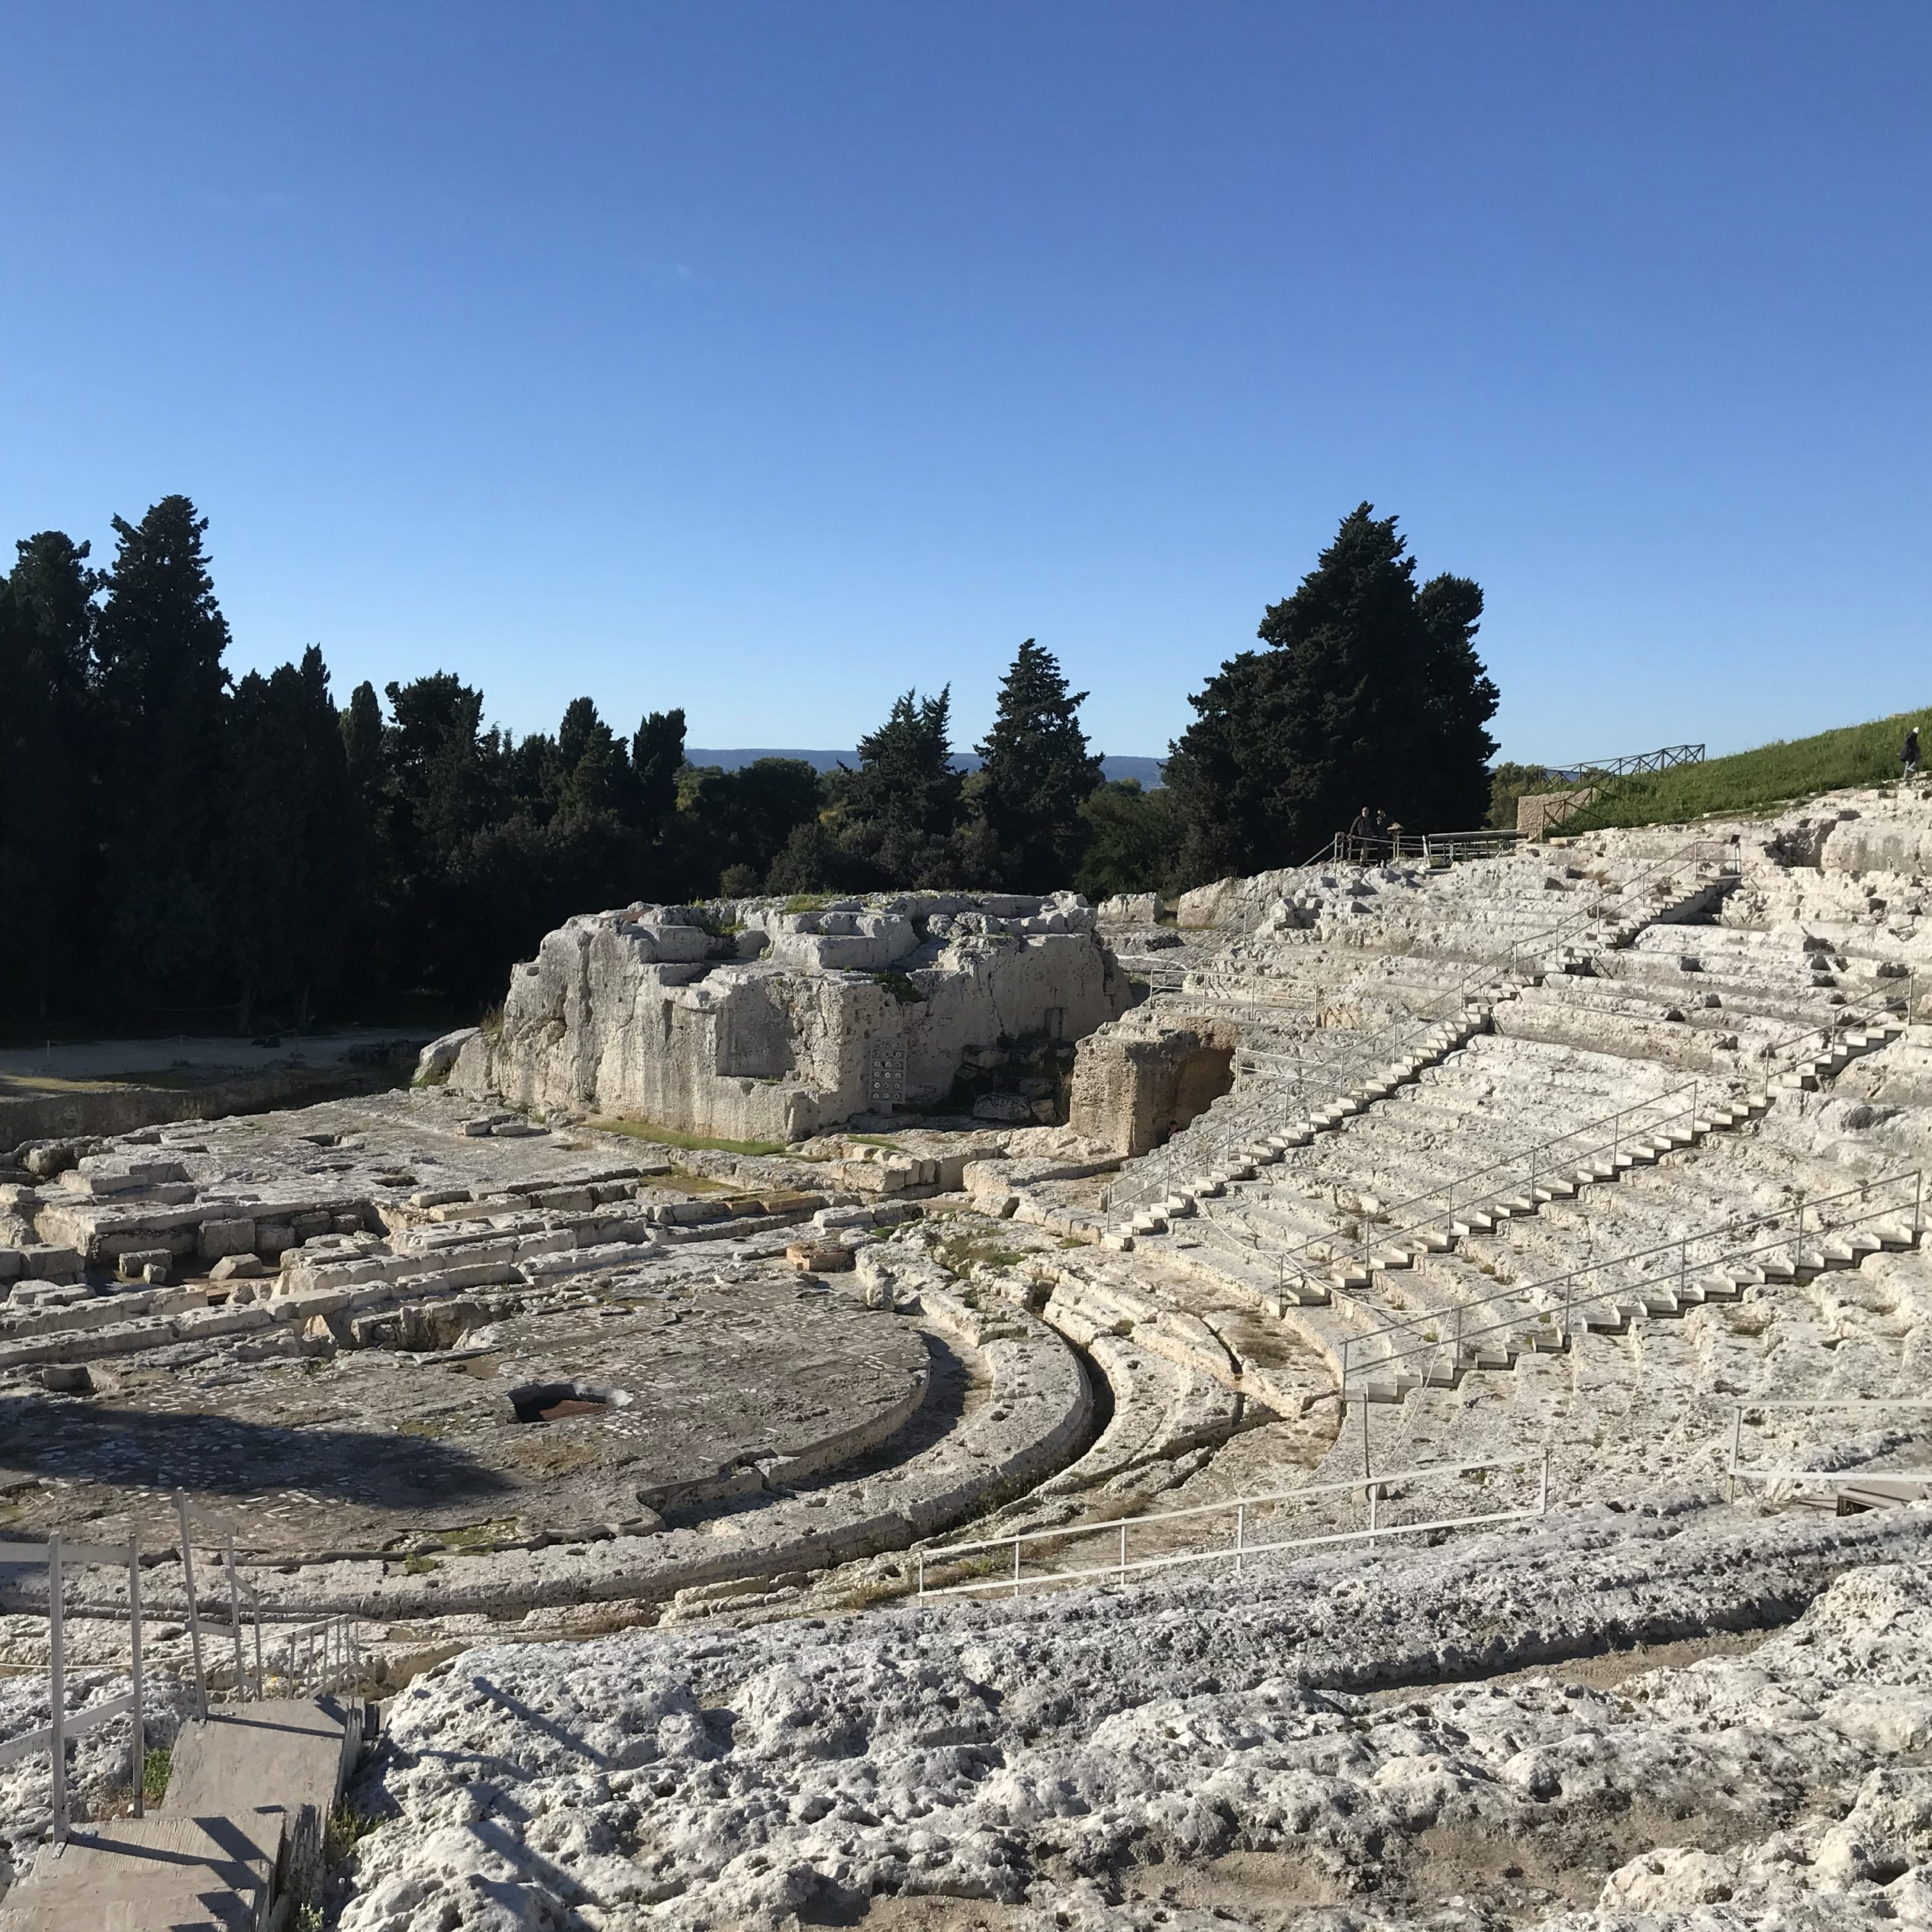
<point>1758,1473</point>
<point>1662,760</point>
<point>1373,1488</point>
<point>1457,996</point>
<point>56,1554</point>
<point>1572,1304</point>
<point>340,1640</point>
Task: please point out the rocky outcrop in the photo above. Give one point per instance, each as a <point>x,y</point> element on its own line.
<point>1142,1079</point>
<point>753,1023</point>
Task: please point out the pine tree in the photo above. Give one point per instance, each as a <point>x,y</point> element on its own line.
<point>1371,694</point>
<point>1036,772</point>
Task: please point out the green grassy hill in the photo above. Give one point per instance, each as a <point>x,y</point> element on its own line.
<point>1750,781</point>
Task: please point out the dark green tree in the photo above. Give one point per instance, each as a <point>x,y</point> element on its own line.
<point>657,756</point>
<point>902,806</point>
<point>50,848</point>
<point>288,888</point>
<point>594,767</point>
<point>1370,693</point>
<point>746,815</point>
<point>163,692</point>
<point>1036,772</point>
<point>1134,839</point>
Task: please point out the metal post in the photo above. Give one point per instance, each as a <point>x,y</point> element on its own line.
<point>921,1578</point>
<point>139,1745</point>
<point>193,1609</point>
<point>1241,1533</point>
<point>1736,1443</point>
<point>1123,1553</point>
<point>1543,1489</point>
<point>1365,1436</point>
<point>1369,1491</point>
<point>234,1617</point>
<point>57,1686</point>
<point>1918,1200</point>
<point>260,1693</point>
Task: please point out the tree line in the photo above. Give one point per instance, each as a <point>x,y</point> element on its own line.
<point>179,847</point>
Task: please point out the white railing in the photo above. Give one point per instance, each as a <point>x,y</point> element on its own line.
<point>319,1655</point>
<point>1560,1156</point>
<point>55,1555</point>
<point>1375,1491</point>
<point>1558,1304</point>
<point>1737,1470</point>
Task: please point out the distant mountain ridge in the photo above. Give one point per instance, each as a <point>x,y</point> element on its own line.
<point>1148,770</point>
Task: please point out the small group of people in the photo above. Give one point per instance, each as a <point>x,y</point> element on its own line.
<point>1374,835</point>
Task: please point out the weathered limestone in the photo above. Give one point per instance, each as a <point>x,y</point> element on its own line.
<point>864,1005</point>
<point>1141,1080</point>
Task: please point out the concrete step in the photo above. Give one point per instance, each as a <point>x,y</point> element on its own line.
<point>153,1875</point>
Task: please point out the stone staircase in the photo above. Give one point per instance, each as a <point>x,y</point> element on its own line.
<point>1224,1164</point>
<point>238,1836</point>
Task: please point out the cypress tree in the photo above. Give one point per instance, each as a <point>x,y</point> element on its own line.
<point>902,804</point>
<point>163,691</point>
<point>1370,693</point>
<point>49,849</point>
<point>1036,774</point>
<point>287,890</point>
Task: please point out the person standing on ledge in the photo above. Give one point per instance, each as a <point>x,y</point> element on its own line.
<point>1908,755</point>
<point>1360,833</point>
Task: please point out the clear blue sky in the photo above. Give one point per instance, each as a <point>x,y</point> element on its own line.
<point>767,358</point>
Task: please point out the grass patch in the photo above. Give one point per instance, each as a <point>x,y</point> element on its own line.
<point>476,1536</point>
<point>957,1253</point>
<point>872,1140</point>
<point>646,1130</point>
<point>419,1565</point>
<point>347,1829</point>
<point>1772,775</point>
<point>808,902</point>
<point>155,1768</point>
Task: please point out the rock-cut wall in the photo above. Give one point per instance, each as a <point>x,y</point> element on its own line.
<point>749,1022</point>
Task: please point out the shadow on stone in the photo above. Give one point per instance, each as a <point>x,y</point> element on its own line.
<point>82,1442</point>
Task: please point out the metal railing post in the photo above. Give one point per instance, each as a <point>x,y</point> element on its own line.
<point>235,1617</point>
<point>57,1685</point>
<point>1736,1443</point>
<point>1016,1566</point>
<point>1543,1488</point>
<point>1240,1535</point>
<point>193,1609</point>
<point>138,1744</point>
